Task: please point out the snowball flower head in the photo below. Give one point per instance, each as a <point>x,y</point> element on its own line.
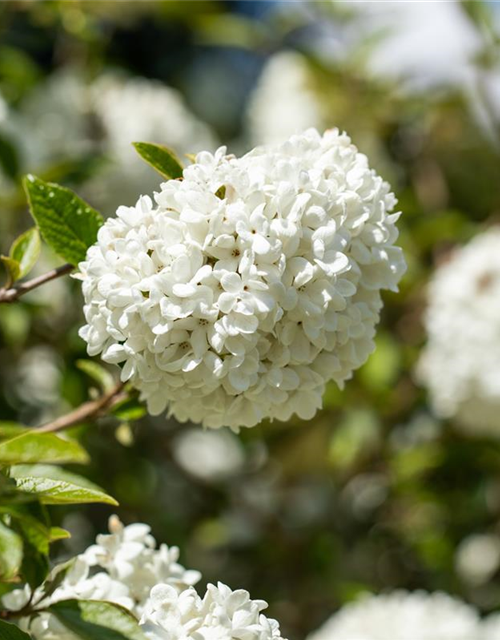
<point>461,362</point>
<point>222,614</point>
<point>122,567</point>
<point>249,284</point>
<point>283,101</point>
<point>402,616</point>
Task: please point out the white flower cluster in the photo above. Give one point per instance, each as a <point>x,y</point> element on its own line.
<point>283,101</point>
<point>250,284</point>
<point>151,585</point>
<point>222,614</point>
<point>68,116</point>
<point>121,567</point>
<point>403,616</point>
<point>461,363</point>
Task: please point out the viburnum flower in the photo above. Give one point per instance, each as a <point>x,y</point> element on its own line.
<point>122,567</point>
<point>222,614</point>
<point>460,364</point>
<point>402,616</point>
<point>248,284</point>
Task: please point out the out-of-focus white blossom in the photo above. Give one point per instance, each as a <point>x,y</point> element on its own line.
<point>70,116</point>
<point>122,567</point>
<point>461,363</point>
<point>209,455</point>
<point>490,629</point>
<point>222,614</point>
<point>284,101</point>
<point>478,558</point>
<point>250,283</point>
<point>402,616</point>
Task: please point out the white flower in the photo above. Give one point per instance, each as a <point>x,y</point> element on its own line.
<point>491,627</point>
<point>249,284</point>
<point>284,101</point>
<point>222,614</point>
<point>402,616</point>
<point>461,363</point>
<point>121,567</point>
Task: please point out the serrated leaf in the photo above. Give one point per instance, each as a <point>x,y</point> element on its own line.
<point>13,269</point>
<point>53,485</point>
<point>11,632</point>
<point>11,429</point>
<point>94,620</point>
<point>98,373</point>
<point>160,158</point>
<point>25,250</point>
<point>11,552</point>
<point>67,223</point>
<point>31,448</point>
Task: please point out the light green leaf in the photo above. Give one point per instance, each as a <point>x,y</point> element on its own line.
<point>13,269</point>
<point>11,553</point>
<point>31,447</point>
<point>94,620</point>
<point>11,632</point>
<point>98,373</point>
<point>11,429</point>
<point>57,533</point>
<point>160,158</point>
<point>67,223</point>
<point>25,251</point>
<point>53,485</point>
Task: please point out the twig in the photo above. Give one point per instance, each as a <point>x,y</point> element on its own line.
<point>87,411</point>
<point>18,290</point>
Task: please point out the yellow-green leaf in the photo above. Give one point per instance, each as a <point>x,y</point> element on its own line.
<point>11,553</point>
<point>160,158</point>
<point>31,447</point>
<point>25,251</point>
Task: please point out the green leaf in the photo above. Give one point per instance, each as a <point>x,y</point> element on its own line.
<point>56,577</point>
<point>129,410</point>
<point>9,159</point>
<point>11,632</point>
<point>67,223</point>
<point>11,429</point>
<point>31,447</point>
<point>57,533</point>
<point>160,158</point>
<point>25,250</point>
<point>13,269</point>
<point>98,373</point>
<point>52,485</point>
<point>11,553</point>
<point>93,620</point>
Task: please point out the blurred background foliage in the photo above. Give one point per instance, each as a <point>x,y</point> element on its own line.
<point>375,493</point>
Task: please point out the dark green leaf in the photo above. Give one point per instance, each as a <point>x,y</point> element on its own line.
<point>56,577</point>
<point>160,158</point>
<point>129,410</point>
<point>9,160</point>
<point>52,485</point>
<point>11,632</point>
<point>67,223</point>
<point>31,447</point>
<point>25,250</point>
<point>93,620</point>
<point>11,553</point>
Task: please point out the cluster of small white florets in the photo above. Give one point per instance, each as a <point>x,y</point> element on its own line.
<point>122,567</point>
<point>153,587</point>
<point>403,616</point>
<point>461,363</point>
<point>283,101</point>
<point>249,285</point>
<point>221,614</point>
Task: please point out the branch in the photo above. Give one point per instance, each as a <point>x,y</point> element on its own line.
<point>87,411</point>
<point>18,290</point>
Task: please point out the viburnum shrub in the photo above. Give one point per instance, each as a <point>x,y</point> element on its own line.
<point>233,297</point>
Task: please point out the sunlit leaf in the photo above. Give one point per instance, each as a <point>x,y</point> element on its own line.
<point>160,158</point>
<point>31,447</point>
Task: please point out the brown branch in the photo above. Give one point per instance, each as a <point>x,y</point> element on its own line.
<point>13,293</point>
<point>87,411</point>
